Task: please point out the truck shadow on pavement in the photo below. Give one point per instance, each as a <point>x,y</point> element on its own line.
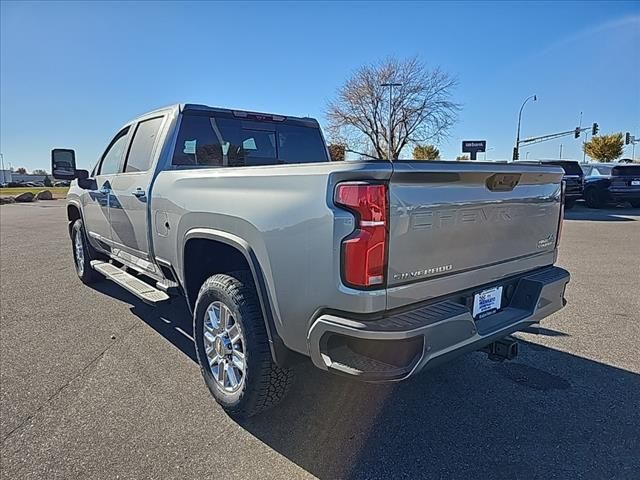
<point>546,414</point>
<point>612,214</point>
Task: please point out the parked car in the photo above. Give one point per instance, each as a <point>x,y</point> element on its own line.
<point>611,183</point>
<point>62,183</point>
<point>573,177</point>
<point>372,269</point>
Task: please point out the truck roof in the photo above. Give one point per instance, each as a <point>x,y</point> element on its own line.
<point>238,112</point>
<point>183,107</point>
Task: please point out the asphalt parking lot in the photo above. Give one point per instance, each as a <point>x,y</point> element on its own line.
<point>95,384</point>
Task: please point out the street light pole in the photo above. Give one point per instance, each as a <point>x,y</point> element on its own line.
<point>584,147</point>
<point>560,151</point>
<point>390,85</point>
<point>4,175</point>
<point>516,150</point>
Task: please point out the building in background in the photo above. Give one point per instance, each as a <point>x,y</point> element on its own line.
<point>6,176</point>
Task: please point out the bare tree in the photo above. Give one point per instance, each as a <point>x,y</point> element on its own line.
<point>421,109</point>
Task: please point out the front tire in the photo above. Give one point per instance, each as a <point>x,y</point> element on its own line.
<point>232,347</point>
<point>593,198</point>
<point>83,253</point>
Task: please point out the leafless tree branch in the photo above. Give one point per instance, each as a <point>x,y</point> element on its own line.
<point>421,109</point>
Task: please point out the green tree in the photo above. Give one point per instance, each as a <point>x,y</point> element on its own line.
<point>39,171</point>
<point>21,171</point>
<point>337,152</point>
<point>462,158</point>
<point>426,152</point>
<point>605,148</point>
<point>47,182</point>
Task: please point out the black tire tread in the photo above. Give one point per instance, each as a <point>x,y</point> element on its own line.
<point>593,198</point>
<point>269,382</point>
<point>90,276</point>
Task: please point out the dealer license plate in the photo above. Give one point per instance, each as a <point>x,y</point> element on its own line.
<point>487,301</point>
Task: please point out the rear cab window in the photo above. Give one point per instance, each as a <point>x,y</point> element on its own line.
<point>217,139</point>
<point>627,171</point>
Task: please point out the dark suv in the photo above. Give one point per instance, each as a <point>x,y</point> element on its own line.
<point>615,183</point>
<point>573,177</point>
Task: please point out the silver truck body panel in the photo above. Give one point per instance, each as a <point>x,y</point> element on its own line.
<point>263,206</point>
<point>448,230</point>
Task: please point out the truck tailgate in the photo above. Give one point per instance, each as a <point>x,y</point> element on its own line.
<point>451,218</point>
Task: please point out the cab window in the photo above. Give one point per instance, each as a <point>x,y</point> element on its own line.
<point>141,150</point>
<point>112,158</point>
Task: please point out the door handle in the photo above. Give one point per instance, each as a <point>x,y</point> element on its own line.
<point>138,193</point>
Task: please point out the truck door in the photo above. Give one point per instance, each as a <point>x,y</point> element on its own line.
<point>130,190</point>
<point>96,203</point>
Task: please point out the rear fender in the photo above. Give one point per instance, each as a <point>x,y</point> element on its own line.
<point>282,355</point>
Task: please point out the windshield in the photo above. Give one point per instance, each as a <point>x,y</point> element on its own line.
<point>221,141</point>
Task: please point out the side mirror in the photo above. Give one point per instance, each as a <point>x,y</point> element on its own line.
<point>63,164</point>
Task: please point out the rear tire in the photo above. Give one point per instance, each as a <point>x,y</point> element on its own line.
<point>232,347</point>
<point>593,198</point>
<point>83,253</point>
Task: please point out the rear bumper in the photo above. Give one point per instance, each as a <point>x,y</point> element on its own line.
<point>620,194</point>
<point>398,346</point>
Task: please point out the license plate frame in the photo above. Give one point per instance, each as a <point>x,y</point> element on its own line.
<point>487,302</point>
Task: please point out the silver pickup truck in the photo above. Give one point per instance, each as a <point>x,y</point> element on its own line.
<point>372,269</point>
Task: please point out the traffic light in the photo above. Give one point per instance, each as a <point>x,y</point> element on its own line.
<point>627,138</point>
<point>576,134</point>
<point>516,154</point>
<point>595,129</point>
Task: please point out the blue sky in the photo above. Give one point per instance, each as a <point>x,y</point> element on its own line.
<point>72,73</point>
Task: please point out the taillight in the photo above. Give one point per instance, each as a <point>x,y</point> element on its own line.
<point>563,188</point>
<point>364,251</point>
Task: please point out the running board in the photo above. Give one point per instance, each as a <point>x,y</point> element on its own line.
<point>139,288</point>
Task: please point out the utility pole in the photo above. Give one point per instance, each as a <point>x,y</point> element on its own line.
<point>584,149</point>
<point>560,151</point>
<point>390,85</point>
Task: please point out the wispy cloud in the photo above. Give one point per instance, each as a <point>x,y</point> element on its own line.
<point>631,22</point>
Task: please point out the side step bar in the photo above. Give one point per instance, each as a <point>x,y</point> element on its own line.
<point>139,288</point>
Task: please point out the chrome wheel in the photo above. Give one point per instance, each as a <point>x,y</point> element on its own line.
<point>224,346</point>
<point>79,252</point>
